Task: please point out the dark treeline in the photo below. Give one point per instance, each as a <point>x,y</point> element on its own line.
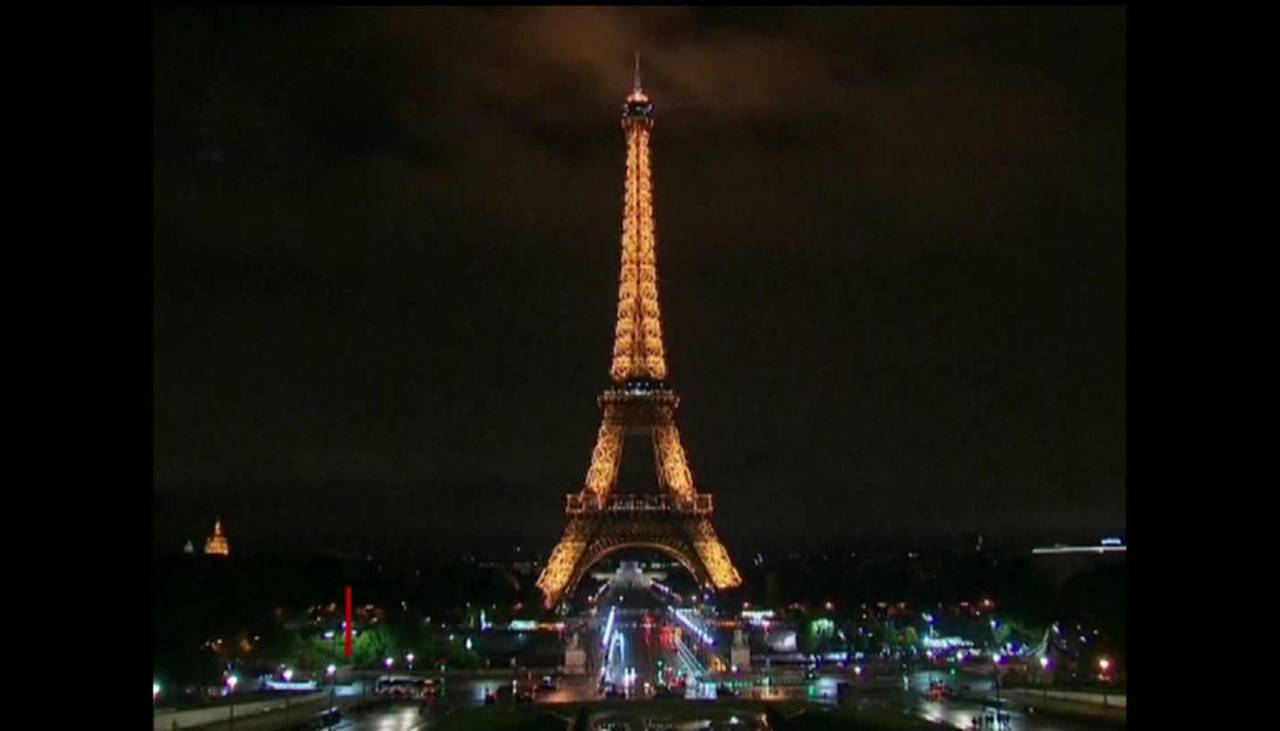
<point>195,599</point>
<point>1033,589</point>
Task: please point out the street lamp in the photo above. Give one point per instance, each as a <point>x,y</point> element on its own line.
<point>1103,665</point>
<point>288,677</point>
<point>409,658</point>
<point>231,691</point>
<point>155,690</point>
<point>998,661</point>
<point>332,672</point>
<point>1044,680</point>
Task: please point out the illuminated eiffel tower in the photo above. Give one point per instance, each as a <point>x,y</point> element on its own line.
<point>677,519</point>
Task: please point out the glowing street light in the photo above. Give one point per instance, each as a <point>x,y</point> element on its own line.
<point>288,677</point>
<point>231,691</point>
<point>1044,680</point>
<point>332,672</point>
<point>1103,665</point>
<point>155,690</point>
<point>389,662</point>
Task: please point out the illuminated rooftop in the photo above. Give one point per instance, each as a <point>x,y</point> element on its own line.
<point>217,543</point>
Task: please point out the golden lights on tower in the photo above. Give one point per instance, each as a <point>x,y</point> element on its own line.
<point>605,458</point>
<point>561,566</point>
<point>637,346</point>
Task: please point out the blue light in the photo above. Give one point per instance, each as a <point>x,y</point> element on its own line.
<point>608,628</point>
<point>702,635</point>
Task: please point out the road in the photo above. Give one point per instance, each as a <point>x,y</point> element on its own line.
<point>466,694</point>
<point>647,644</point>
<point>393,718</point>
<point>953,713</point>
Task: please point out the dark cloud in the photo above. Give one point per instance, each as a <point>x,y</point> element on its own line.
<point>892,247</point>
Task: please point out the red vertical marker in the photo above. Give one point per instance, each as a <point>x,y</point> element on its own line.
<point>348,633</point>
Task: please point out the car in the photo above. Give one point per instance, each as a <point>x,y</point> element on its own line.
<point>666,692</point>
<point>548,683</point>
<point>724,691</point>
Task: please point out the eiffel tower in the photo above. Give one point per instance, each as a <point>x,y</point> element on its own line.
<point>676,520</point>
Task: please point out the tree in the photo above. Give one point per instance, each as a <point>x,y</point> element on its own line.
<point>371,646</point>
<point>910,637</point>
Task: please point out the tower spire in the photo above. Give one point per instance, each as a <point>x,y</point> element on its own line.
<point>638,353</point>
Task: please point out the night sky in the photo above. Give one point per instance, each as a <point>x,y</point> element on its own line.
<point>891,247</point>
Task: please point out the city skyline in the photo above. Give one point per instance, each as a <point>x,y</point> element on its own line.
<point>892,270</point>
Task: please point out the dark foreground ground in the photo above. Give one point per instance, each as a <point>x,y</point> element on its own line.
<point>739,715</point>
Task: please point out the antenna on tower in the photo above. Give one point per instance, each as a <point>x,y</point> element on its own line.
<point>637,83</point>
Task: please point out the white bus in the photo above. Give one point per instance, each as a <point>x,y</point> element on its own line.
<point>404,686</point>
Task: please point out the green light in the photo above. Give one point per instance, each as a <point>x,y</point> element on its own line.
<point>821,627</point>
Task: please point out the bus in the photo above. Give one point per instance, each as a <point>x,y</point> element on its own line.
<point>405,686</point>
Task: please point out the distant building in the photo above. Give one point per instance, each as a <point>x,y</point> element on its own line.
<point>217,543</point>
<point>1060,562</point>
<point>1107,545</point>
